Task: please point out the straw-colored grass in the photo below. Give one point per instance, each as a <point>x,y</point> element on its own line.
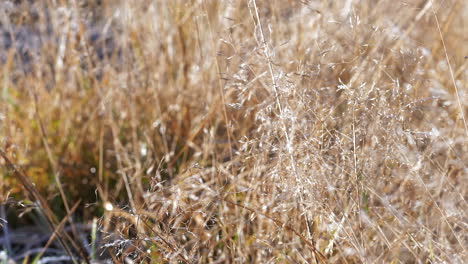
<point>236,131</point>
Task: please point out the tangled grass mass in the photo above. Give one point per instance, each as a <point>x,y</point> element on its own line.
<point>242,131</point>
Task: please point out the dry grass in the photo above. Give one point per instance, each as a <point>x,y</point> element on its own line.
<point>238,131</point>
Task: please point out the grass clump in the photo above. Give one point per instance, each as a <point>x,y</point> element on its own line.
<point>234,132</point>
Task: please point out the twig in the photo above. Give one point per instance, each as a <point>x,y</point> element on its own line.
<point>43,206</point>
<point>57,230</point>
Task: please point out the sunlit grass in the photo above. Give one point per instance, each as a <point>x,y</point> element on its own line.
<point>235,131</point>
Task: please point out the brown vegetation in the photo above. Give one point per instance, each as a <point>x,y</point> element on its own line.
<point>236,131</point>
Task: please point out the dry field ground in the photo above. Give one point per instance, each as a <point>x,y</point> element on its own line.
<point>300,131</point>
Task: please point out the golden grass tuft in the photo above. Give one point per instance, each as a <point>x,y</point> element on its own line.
<point>241,131</point>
